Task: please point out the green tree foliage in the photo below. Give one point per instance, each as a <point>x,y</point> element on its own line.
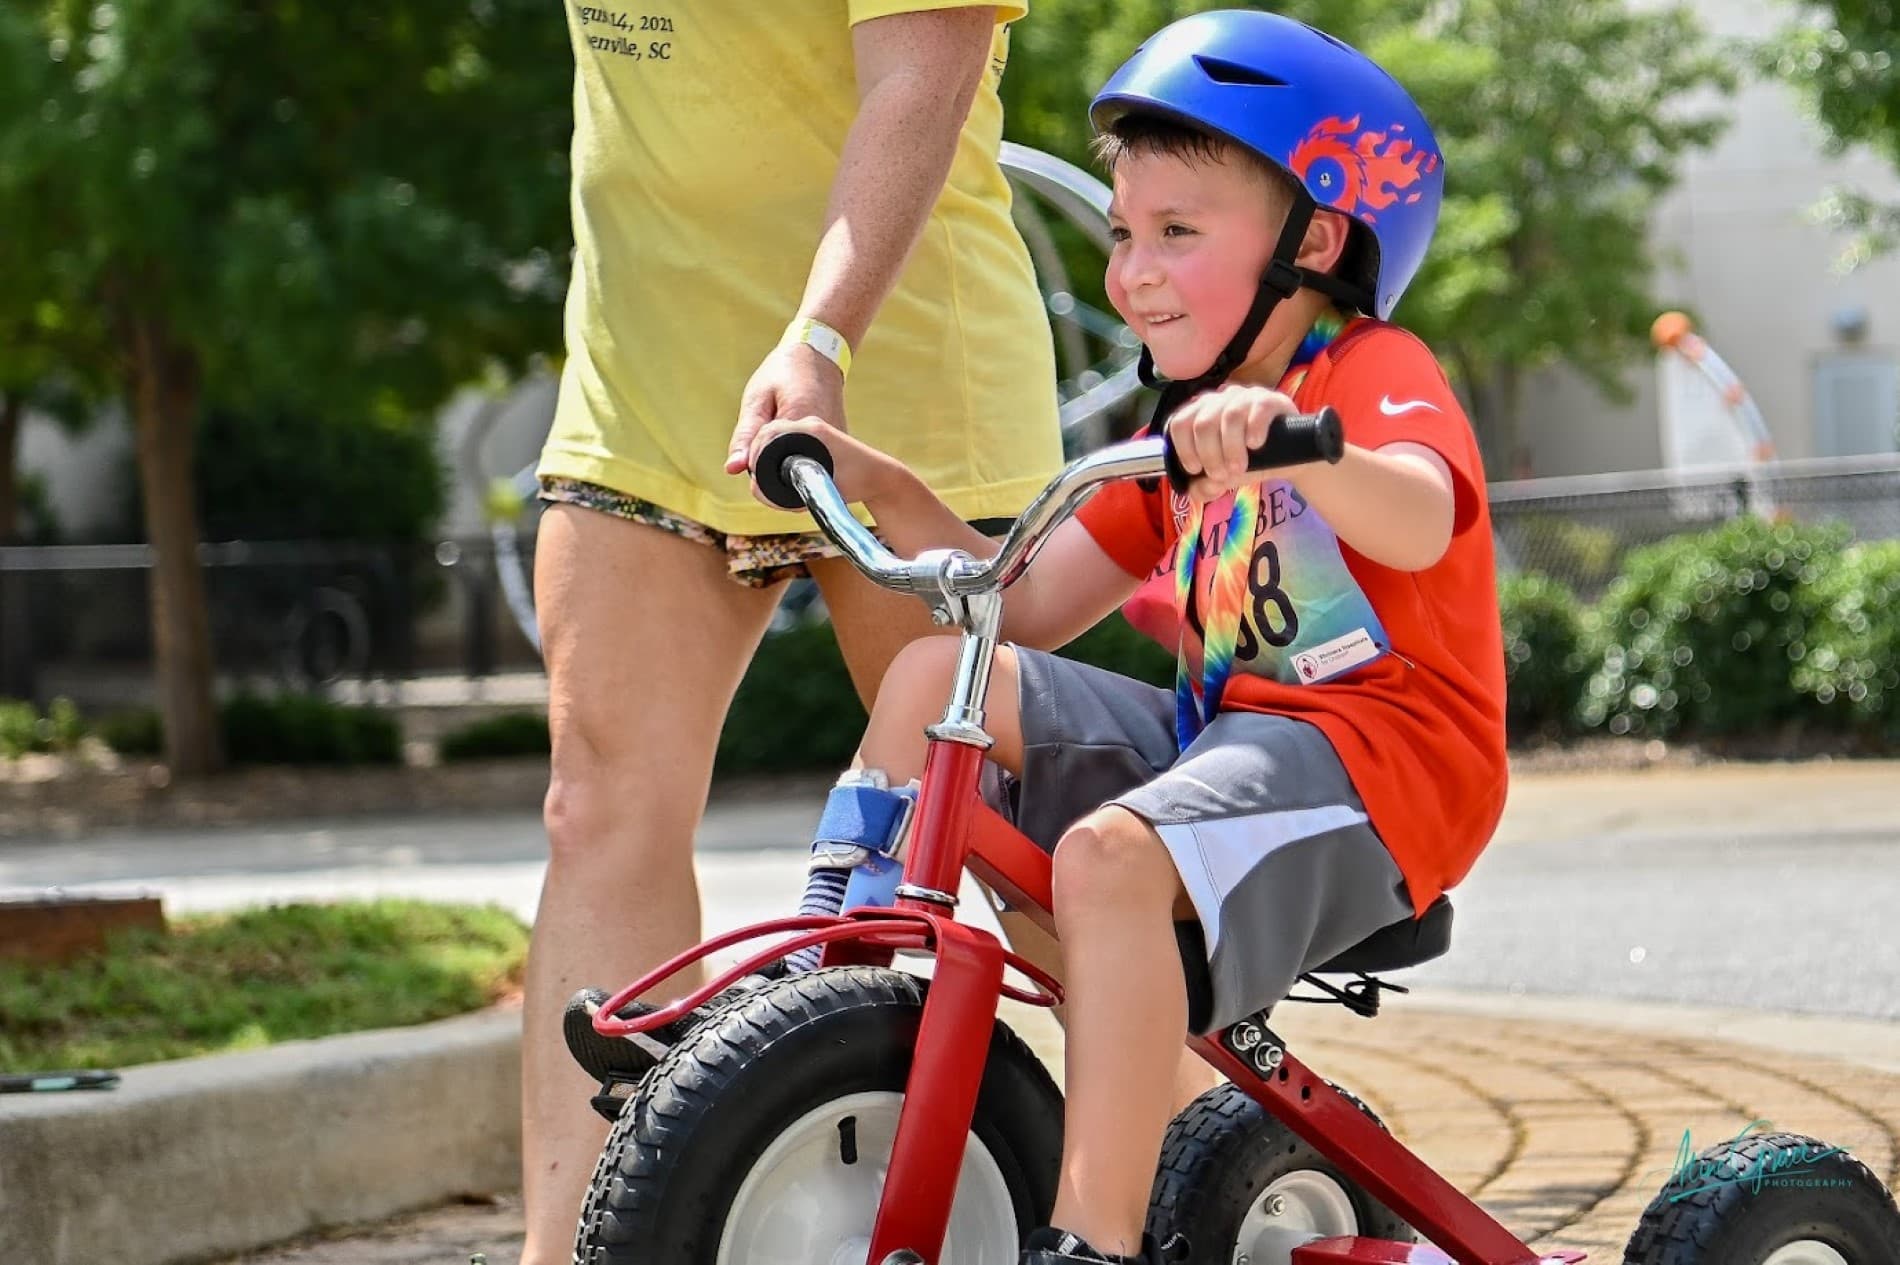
<point>1841,55</point>
<point>325,208</point>
<point>36,328</point>
<point>1568,141</point>
<point>281,475</point>
<point>1562,122</point>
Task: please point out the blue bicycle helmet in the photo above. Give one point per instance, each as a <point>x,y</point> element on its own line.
<point>1319,110</point>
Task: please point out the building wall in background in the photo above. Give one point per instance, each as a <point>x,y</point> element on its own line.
<point>1736,249</point>
<point>87,476</point>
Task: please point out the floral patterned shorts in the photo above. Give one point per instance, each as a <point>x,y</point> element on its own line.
<point>755,561</point>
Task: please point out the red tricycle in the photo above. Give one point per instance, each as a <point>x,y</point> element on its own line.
<point>861,1114</point>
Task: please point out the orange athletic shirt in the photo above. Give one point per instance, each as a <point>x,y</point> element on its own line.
<point>1417,711</point>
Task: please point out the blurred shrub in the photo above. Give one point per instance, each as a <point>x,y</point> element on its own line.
<point>796,708</point>
<point>19,728</point>
<point>135,732</point>
<point>24,731</point>
<point>1852,668</point>
<point>305,729</point>
<point>509,734</point>
<point>1543,662</point>
<point>287,729</point>
<point>1701,633</point>
<point>1582,556</point>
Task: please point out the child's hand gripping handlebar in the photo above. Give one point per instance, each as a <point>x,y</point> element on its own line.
<point>1293,439</point>
<point>794,471</point>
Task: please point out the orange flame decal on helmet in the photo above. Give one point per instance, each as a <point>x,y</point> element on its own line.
<point>1360,175</point>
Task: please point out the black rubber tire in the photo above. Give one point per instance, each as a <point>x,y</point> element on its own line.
<point>1219,1155</point>
<point>1740,1223</point>
<point>681,1149</point>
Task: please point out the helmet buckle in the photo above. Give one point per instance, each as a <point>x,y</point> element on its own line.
<point>1283,278</point>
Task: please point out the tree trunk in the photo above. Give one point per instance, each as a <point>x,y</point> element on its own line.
<point>11,407</point>
<point>1495,398</point>
<point>16,616</point>
<point>164,389</point>
<point>1508,388</point>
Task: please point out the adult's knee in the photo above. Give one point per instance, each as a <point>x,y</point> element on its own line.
<point>601,807</point>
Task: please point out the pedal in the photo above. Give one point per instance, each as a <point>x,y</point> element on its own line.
<point>614,1094</point>
<point>603,1058</point>
<point>632,1057</point>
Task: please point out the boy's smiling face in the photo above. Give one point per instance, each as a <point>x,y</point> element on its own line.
<point>1192,236</point>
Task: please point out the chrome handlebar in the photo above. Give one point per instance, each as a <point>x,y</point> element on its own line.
<point>794,470</point>
<point>953,572</point>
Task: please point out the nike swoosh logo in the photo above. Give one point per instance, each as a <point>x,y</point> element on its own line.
<point>1391,409</point>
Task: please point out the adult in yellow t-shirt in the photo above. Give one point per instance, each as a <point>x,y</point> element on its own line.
<point>753,184</point>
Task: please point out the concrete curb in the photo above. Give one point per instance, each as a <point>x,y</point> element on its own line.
<point>214,1156</point>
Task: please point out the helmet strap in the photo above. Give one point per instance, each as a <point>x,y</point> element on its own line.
<point>1345,293</point>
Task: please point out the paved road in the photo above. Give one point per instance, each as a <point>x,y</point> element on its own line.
<point>1564,1138</point>
<point>1764,887</point>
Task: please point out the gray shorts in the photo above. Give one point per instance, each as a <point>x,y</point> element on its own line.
<point>1270,839</point>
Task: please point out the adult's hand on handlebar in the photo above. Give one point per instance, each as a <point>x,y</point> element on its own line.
<point>793,381</point>
<point>1214,434</point>
<point>860,471</point>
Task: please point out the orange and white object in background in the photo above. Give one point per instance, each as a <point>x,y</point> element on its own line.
<point>1708,418</point>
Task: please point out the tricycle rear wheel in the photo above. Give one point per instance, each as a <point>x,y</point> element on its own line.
<point>1238,1185</point>
<point>1770,1199</point>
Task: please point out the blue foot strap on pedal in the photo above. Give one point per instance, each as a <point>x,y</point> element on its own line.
<point>855,854</point>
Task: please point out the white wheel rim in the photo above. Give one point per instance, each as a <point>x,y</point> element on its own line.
<point>801,1204</point>
<point>1805,1252</point>
<point>1296,1208</point>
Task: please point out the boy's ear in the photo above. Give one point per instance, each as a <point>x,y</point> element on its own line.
<point>1326,240</point>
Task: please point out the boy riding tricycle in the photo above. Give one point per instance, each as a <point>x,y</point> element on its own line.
<point>1306,527</point>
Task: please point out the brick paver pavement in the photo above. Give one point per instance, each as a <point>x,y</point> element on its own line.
<point>1562,1132</point>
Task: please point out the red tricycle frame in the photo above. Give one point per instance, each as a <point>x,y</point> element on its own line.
<point>953,830</point>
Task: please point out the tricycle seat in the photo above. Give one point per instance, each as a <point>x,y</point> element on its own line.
<point>1406,942</point>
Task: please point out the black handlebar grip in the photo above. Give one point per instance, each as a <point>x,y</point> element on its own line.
<point>769,471</point>
<point>1292,439</point>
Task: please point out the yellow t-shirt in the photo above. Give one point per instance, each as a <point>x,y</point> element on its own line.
<point>706,136</point>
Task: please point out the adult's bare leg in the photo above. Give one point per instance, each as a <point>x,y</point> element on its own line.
<point>646,639</point>
<point>872,624</point>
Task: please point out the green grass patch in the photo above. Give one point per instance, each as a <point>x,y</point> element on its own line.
<point>221,982</point>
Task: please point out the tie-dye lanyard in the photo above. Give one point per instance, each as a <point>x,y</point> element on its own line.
<point>1227,595</point>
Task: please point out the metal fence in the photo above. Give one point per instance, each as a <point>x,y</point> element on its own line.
<point>1578,530</point>
<point>74,620</point>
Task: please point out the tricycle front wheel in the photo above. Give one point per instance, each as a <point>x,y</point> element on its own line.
<point>765,1136</point>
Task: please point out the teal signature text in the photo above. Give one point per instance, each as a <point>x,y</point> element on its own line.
<point>1694,1174</point>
